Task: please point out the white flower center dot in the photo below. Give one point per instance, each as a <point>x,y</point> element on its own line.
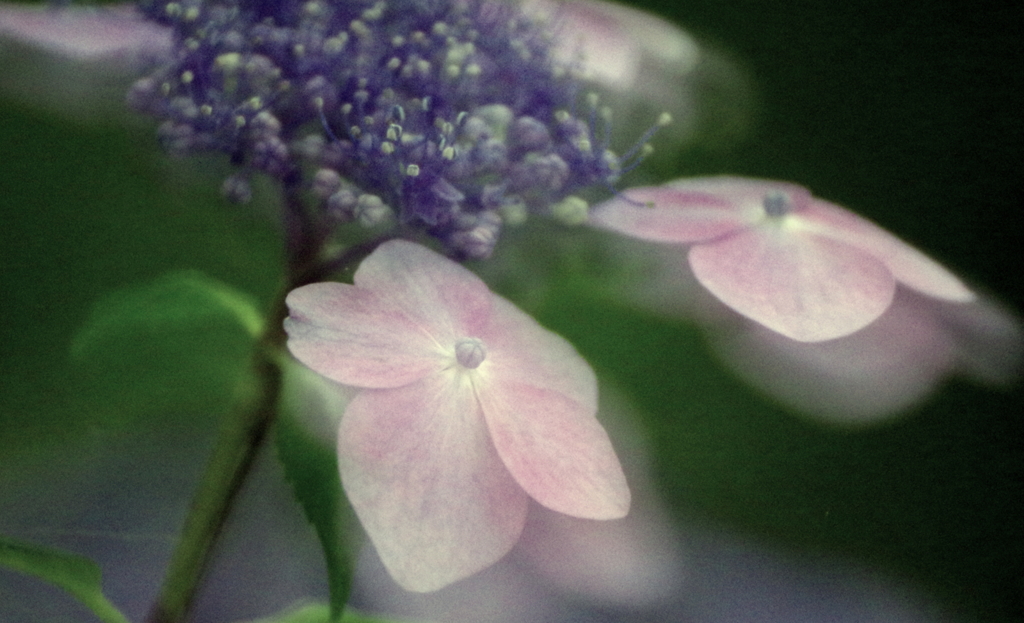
<point>470,352</point>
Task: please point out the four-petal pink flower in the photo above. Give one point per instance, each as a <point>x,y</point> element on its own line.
<point>466,408</point>
<point>794,263</point>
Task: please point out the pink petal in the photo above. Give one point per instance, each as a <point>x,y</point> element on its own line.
<point>644,66</point>
<point>615,41</point>
<point>521,350</point>
<point>909,265</point>
<point>664,214</point>
<point>692,209</point>
<point>988,337</point>
<point>540,400</point>
<point>357,337</point>
<point>398,323</point>
<point>421,473</point>
<point>450,301</point>
<point>556,450</point>
<point>805,287</point>
<point>857,379</point>
<point>77,62</point>
<point>635,562</point>
<point>86,33</point>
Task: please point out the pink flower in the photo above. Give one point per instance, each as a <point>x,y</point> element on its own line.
<point>467,408</point>
<point>801,266</point>
<point>86,33</point>
<point>644,65</point>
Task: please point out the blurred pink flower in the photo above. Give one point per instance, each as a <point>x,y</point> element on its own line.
<point>896,360</point>
<point>884,368</point>
<point>799,265</point>
<point>467,408</point>
<point>76,61</point>
<point>644,65</point>
<point>86,33</point>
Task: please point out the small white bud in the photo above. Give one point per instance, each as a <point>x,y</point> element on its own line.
<point>371,210</point>
<point>572,210</point>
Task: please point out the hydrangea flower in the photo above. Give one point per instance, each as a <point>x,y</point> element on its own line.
<point>466,408</point>
<point>799,265</point>
<point>452,116</point>
<point>860,377</point>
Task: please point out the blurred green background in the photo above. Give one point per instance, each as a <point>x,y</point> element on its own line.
<point>909,113</point>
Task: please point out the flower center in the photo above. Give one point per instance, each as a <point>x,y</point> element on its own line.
<point>470,352</point>
<point>777,204</point>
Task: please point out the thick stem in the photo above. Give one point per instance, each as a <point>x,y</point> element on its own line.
<point>241,435</point>
<point>246,425</point>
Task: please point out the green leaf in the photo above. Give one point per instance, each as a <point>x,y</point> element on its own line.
<point>178,344</point>
<point>317,613</point>
<point>75,574</point>
<point>305,432</point>
<point>180,300</point>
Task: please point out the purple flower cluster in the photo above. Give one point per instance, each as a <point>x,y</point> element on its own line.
<point>451,115</point>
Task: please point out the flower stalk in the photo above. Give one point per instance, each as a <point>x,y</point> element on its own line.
<point>241,436</point>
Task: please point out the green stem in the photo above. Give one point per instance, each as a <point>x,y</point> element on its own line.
<point>241,435</point>
<point>245,428</point>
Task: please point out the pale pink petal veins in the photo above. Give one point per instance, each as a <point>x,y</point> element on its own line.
<point>806,287</point>
<point>519,349</point>
<point>356,337</point>
<point>555,449</point>
<point>909,265</point>
<point>450,301</point>
<point>539,398</point>
<point>418,466</point>
<point>664,214</point>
